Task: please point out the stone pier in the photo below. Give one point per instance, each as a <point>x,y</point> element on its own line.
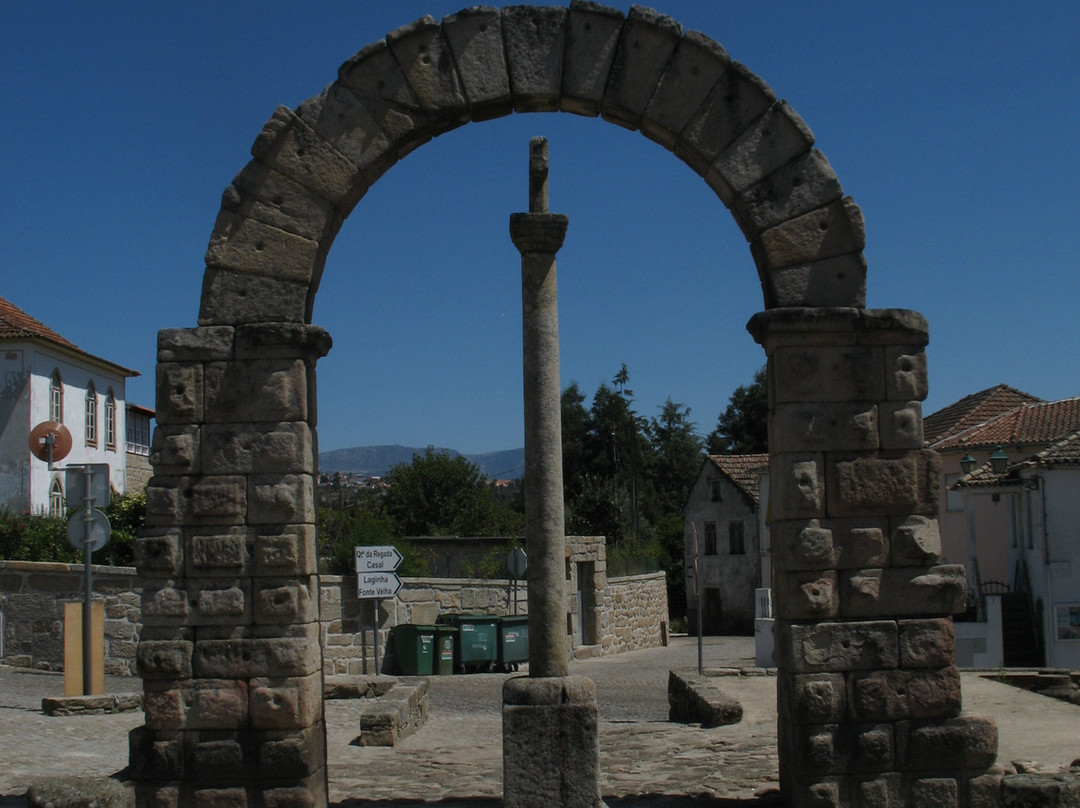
<point>551,742</point>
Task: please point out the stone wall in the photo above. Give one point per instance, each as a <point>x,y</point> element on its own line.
<point>632,613</point>
<point>32,597</point>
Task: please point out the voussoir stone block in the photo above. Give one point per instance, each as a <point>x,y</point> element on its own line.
<point>426,60</point>
<point>694,69</point>
<point>268,391</point>
<point>646,42</point>
<point>375,78</point>
<point>292,148</point>
<point>827,232</point>
<point>798,187</point>
<point>231,297</point>
<point>204,344</point>
<point>475,38</point>
<point>262,194</point>
<point>737,99</point>
<point>839,646</point>
<point>345,121</point>
<point>837,281</point>
<point>592,36</point>
<point>244,244</point>
<point>771,141</point>
<point>535,39</point>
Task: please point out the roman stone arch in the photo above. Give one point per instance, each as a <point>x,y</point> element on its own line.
<point>868,695</point>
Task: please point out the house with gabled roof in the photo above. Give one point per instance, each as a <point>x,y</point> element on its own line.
<point>1009,513</point>
<point>726,543</point>
<point>46,377</point>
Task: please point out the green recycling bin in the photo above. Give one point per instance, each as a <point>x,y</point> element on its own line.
<point>513,641</point>
<point>445,642</point>
<point>414,649</point>
<point>477,643</point>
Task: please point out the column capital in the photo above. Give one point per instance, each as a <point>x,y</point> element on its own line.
<point>538,233</point>
<point>837,326</point>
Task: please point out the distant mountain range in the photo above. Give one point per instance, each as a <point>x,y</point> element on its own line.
<point>374,461</point>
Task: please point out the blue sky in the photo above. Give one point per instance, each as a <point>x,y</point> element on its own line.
<point>953,126</point>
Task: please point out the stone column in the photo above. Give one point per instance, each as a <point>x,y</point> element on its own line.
<point>868,692</point>
<point>551,747</point>
<point>230,651</point>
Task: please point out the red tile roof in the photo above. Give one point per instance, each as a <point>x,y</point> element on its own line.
<point>744,471</point>
<point>1065,452</point>
<point>973,410</point>
<point>1025,425</point>
<point>16,324</point>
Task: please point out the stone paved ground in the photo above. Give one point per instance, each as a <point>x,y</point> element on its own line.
<point>455,759</point>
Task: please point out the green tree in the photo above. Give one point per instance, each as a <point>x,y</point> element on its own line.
<point>676,456</point>
<point>440,495</point>
<point>742,428</point>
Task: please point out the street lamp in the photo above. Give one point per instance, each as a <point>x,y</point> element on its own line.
<point>999,462</point>
<point>967,463</point>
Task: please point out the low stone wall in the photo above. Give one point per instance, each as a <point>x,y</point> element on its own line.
<point>32,597</point>
<point>631,613</point>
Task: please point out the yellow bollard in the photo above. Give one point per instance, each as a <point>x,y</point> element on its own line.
<point>73,649</point>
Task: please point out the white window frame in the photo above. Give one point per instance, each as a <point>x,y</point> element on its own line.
<point>110,420</point>
<point>56,397</point>
<point>91,415</point>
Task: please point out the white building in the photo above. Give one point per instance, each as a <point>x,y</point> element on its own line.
<point>45,377</point>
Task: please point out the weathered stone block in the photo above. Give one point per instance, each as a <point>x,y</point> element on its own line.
<point>819,426</point>
<point>344,121</point>
<point>237,449</point>
<point>771,141</point>
<point>535,39</point>
<point>828,373</point>
<point>901,424</point>
<point>164,604</point>
<point>427,62</point>
<point>936,791</point>
<point>287,600</point>
<point>159,552</point>
<point>175,450</point>
<point>828,232</point>
<point>281,499</point>
<point>874,748</point>
<point>222,500</point>
<point>195,345</point>
<point>256,390</point>
<point>966,742</point>
<point>798,485</point>
<point>288,550</point>
<point>218,758</point>
<point>895,695</point>
<point>164,659</point>
<point>221,601</point>
<point>263,195</point>
<point>903,591</point>
<point>813,595</point>
<point>816,698</point>
<point>224,553</point>
<point>806,183</point>
<point>875,485</point>
<point>907,375</point>
<point>230,297</point>
<point>291,147</point>
<point>838,281</point>
<point>247,245</point>
<point>694,69</point>
<point>179,393</point>
<point>475,38</point>
<point>738,99</point>
<point>838,647</point>
<point>217,798</point>
<point>295,753</point>
<point>289,703</point>
<point>927,643</point>
<point>374,76</point>
<point>592,36</point>
<point>282,341</point>
<point>883,791</point>
<point>916,541</point>
<point>296,654</point>
<point>646,42</point>
<point>156,755</point>
<point>984,790</point>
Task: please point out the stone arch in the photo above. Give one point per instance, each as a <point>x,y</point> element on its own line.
<point>869,697</point>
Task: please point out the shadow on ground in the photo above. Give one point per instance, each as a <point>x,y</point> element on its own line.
<point>770,799</point>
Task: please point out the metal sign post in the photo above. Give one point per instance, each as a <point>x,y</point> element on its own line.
<point>376,579</point>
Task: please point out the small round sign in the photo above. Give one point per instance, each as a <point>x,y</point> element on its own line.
<point>50,434</point>
<point>99,530</point>
<point>517,562</point>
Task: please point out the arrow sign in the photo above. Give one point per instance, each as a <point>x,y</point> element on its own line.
<point>377,559</point>
<point>376,585</point>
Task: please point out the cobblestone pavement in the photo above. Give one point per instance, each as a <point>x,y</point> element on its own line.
<point>455,759</point>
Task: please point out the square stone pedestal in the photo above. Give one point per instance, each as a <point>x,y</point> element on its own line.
<point>551,743</point>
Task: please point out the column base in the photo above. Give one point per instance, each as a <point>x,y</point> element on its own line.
<point>551,743</point>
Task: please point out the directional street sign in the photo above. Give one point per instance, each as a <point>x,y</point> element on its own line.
<point>377,585</point>
<point>383,558</point>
